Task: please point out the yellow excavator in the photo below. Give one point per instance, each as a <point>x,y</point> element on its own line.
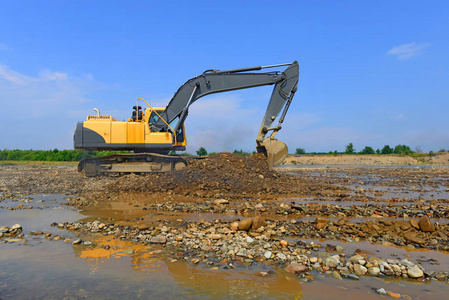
<point>154,132</point>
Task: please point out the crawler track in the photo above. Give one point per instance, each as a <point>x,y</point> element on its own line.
<point>131,163</point>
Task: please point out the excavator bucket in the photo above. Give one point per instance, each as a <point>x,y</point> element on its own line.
<point>276,151</point>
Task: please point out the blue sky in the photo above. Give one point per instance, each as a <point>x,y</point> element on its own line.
<point>371,72</point>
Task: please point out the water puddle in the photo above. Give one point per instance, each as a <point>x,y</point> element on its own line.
<point>113,268</point>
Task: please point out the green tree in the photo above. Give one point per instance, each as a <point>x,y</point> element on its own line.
<point>367,150</point>
<point>402,149</point>
<point>377,151</point>
<point>201,152</point>
<point>350,149</point>
<point>386,150</point>
<point>300,151</point>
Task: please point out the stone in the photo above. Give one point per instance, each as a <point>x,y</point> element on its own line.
<point>296,268</point>
<point>320,226</point>
<point>313,260</point>
<point>336,274</point>
<point>284,243</point>
<point>159,239</point>
<point>407,263</point>
<point>221,201</point>
<point>143,227</point>
<point>393,295</point>
<point>214,236</point>
<point>381,291</point>
<point>245,224</point>
<point>16,227</point>
<point>234,226</point>
<point>267,254</point>
<point>262,274</point>
<point>415,272</point>
<point>374,271</point>
<point>360,270</point>
<point>321,220</point>
<point>349,276</point>
<point>281,255</point>
<point>387,244</point>
<point>414,239</point>
<point>331,262</point>
<point>77,241</point>
<point>258,222</point>
<point>426,225</point>
<point>414,224</point>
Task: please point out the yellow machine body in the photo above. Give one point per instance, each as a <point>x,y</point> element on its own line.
<point>101,132</point>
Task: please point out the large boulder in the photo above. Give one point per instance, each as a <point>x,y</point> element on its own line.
<point>245,224</point>
<point>426,225</point>
<point>258,222</point>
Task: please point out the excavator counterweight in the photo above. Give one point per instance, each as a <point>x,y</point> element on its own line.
<point>153,132</point>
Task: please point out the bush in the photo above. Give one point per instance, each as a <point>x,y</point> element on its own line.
<point>201,152</point>
<point>386,150</point>
<point>300,151</point>
<point>350,149</point>
<point>367,150</point>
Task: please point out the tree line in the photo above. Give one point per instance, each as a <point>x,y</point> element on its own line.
<point>52,155</point>
<point>350,149</point>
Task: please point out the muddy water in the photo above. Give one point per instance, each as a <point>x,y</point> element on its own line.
<point>42,268</point>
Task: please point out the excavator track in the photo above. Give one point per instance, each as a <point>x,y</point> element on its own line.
<point>118,164</point>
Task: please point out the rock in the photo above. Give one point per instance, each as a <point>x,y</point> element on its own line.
<point>349,276</point>
<point>262,274</point>
<point>159,239</point>
<point>381,291</point>
<point>414,239</point>
<point>374,271</point>
<point>281,255</point>
<point>331,262</point>
<point>221,201</point>
<point>407,263</point>
<point>258,222</point>
<point>143,227</point>
<point>336,275</point>
<point>360,270</point>
<point>415,272</point>
<point>339,249</point>
<point>4,229</point>
<point>16,227</point>
<point>214,236</point>
<point>245,225</point>
<point>426,225</point>
<point>394,295</point>
<point>77,241</point>
<point>414,224</point>
<point>313,260</point>
<point>284,243</point>
<point>321,220</point>
<point>387,244</point>
<point>267,254</point>
<point>296,268</point>
<point>234,226</point>
<point>249,240</point>
<point>320,226</point>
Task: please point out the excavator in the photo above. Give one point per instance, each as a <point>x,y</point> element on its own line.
<point>152,133</point>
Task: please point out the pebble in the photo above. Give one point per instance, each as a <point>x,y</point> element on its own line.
<point>415,272</point>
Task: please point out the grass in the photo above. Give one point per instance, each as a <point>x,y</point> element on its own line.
<point>25,162</point>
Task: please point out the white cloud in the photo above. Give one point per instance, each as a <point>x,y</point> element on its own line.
<point>4,47</point>
<point>399,117</point>
<point>407,51</point>
<point>38,111</point>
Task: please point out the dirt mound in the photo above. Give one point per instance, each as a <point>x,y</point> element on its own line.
<point>224,174</point>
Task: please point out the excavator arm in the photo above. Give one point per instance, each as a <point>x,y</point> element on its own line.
<point>215,81</point>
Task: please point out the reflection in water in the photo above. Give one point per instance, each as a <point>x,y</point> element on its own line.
<point>196,281</point>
